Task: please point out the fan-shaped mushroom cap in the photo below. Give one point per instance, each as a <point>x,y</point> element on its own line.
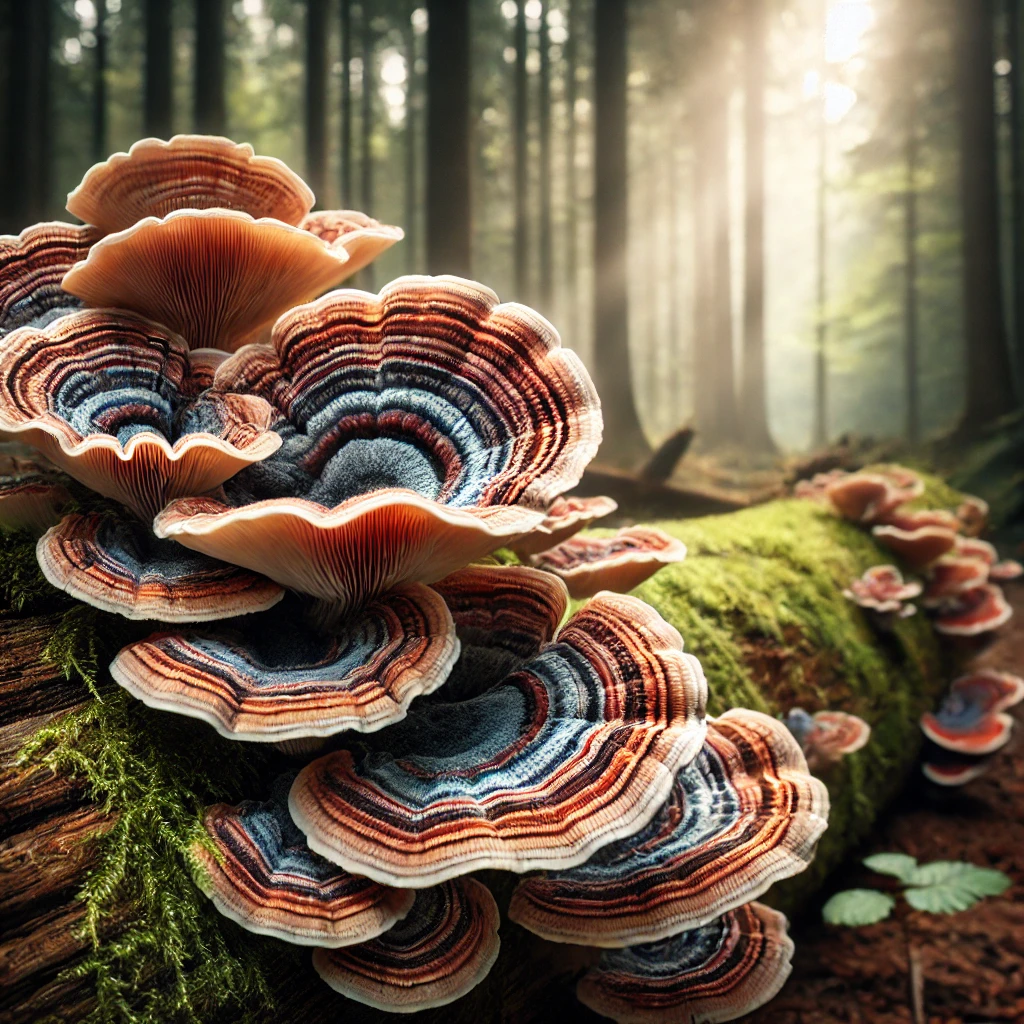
<point>503,616</point>
<point>918,547</point>
<point>974,611</point>
<point>265,878</point>
<point>362,237</point>
<point>100,394</point>
<point>866,497</point>
<point>32,266</point>
<point>970,720</point>
<point>31,496</point>
<point>115,563</point>
<point>815,489</point>
<point>217,277</point>
<point>952,575</point>
<point>424,428</point>
<point>275,678</point>
<point>576,749</point>
<point>194,172</point>
<point>910,520</point>
<point>882,589</point>
<point>620,562</point>
<point>985,554</point>
<point>1006,570</point>
<point>973,515</point>
<point>442,949</point>
<point>743,814</point>
<point>565,517</point>
<point>955,771</point>
<point>718,972</point>
<point>834,735</point>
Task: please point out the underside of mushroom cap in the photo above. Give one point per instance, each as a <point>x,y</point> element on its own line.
<point>217,277</point>
<point>866,497</point>
<point>360,236</point>
<point>743,814</point>
<point>503,616</point>
<point>262,875</point>
<point>718,972</point>
<point>975,611</point>
<point>32,266</point>
<point>565,517</point>
<point>918,547</point>
<point>276,677</point>
<point>620,562</point>
<point>442,949</point>
<point>576,749</point>
<point>196,172</point>
<point>115,563</point>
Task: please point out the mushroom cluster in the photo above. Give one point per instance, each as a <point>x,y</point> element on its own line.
<point>297,486</point>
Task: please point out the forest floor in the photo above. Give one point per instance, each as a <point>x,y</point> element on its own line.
<point>972,963</point>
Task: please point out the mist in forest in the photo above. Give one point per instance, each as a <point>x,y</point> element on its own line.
<point>779,221</point>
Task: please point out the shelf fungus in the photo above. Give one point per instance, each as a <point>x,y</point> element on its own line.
<point>972,718</point>
<point>883,591</point>
<point>619,562</point>
<point>188,172</point>
<point>423,428</point>
<point>115,563</point>
<point>718,972</point>
<point>565,518</point>
<point>826,737</point>
<point>32,266</point>
<point>442,949</point>
<point>577,748</point>
<point>261,874</point>
<point>950,576</point>
<point>360,236</point>
<point>973,612</point>
<point>864,497</point>
<point>985,554</point>
<point>102,394</point>
<point>742,815</point>
<point>32,495</point>
<point>278,678</point>
<point>918,547</point>
<point>973,515</point>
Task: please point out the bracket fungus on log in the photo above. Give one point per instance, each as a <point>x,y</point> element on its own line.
<point>576,749</point>
<point>826,737</point>
<point>115,563</point>
<point>188,172</point>
<point>742,815</point>
<point>952,575</point>
<point>565,517</point>
<point>442,949</point>
<point>262,875</point>
<point>917,547</point>
<point>866,497</point>
<point>32,267</point>
<point>423,428</point>
<point>102,394</point>
<point>971,719</point>
<point>973,612</point>
<point>718,972</point>
<point>882,589</point>
<point>619,562</point>
<point>277,678</point>
<point>31,495</point>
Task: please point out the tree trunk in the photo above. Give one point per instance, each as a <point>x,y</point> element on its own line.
<point>448,206</point>
<point>820,427</point>
<point>410,225</point>
<point>369,88</point>
<point>157,91</point>
<point>1017,179</point>
<point>99,87</point>
<point>544,260</point>
<point>625,443</point>
<point>347,200</point>
<point>911,374</point>
<point>990,391</point>
<point>521,142</point>
<point>756,433</point>
<point>571,194</point>
<point>316,107</point>
<point>705,410</point>
<point>208,101</point>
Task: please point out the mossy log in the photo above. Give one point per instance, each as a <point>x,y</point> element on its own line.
<point>99,916</point>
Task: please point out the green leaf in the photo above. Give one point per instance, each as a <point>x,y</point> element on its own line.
<point>947,887</point>
<point>856,907</point>
<point>901,865</point>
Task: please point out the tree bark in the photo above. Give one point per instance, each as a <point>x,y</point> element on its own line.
<point>545,265</point>
<point>448,233</point>
<point>911,373</point>
<point>571,192</point>
<point>625,443</point>
<point>411,219</point>
<point>989,384</point>
<point>99,87</point>
<point>369,89</point>
<point>347,200</point>
<point>316,106</point>
<point>210,113</point>
<point>157,90</point>
<point>820,426</point>
<point>756,433</point>
<point>1016,51</point>
<point>521,239</point>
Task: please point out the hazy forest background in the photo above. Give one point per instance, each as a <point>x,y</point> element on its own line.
<point>805,216</point>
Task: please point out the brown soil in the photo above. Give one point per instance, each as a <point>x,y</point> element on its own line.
<point>972,963</point>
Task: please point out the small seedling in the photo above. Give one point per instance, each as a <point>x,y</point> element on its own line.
<point>942,887</point>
